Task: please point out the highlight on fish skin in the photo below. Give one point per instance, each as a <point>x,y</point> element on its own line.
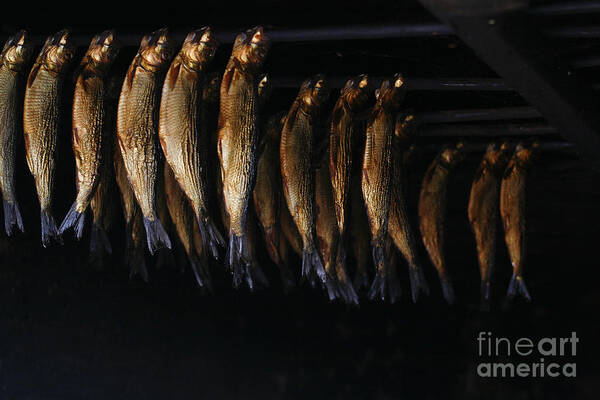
<point>296,154</point>
<point>13,60</point>
<point>88,118</point>
<point>512,210</point>
<point>432,211</point>
<point>182,134</point>
<point>41,118</point>
<point>376,180</point>
<point>238,140</point>
<point>137,128</point>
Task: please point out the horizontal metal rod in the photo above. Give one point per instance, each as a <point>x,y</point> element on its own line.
<point>567,147</point>
<point>575,32</point>
<point>586,62</point>
<point>567,8</point>
<point>494,130</point>
<point>485,114</point>
<point>443,84</point>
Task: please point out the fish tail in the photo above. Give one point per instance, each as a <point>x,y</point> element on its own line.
<point>156,235</point>
<point>256,275</point>
<point>12,217</point>
<point>331,285</point>
<point>447,289</point>
<point>201,272</point>
<point>287,277</point>
<point>99,245</point>
<point>345,288</point>
<point>312,265</point>
<point>49,230</point>
<point>74,219</point>
<point>165,259</point>
<point>485,295</point>
<point>517,287</point>
<point>211,237</point>
<point>136,261</point>
<point>272,242</point>
<point>361,279</point>
<point>237,259</point>
<point>385,285</point>
<point>418,283</point>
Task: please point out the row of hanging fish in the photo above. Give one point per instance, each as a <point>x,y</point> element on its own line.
<point>318,191</point>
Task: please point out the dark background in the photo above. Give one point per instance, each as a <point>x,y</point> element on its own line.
<point>68,331</point>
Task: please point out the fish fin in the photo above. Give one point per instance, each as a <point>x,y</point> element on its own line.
<point>236,260</point>
<point>418,283</point>
<point>201,272</point>
<point>99,245</point>
<point>156,235</point>
<point>172,75</point>
<point>32,75</point>
<point>272,242</point>
<point>49,230</point>
<point>75,219</point>
<point>517,287</point>
<point>211,237</point>
<point>361,280</point>
<point>12,217</point>
<point>447,289</point>
<point>312,264</point>
<point>257,275</point>
<point>385,285</point>
<point>345,287</point>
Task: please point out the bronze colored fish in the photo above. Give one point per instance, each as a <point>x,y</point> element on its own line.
<point>13,61</point>
<point>88,120</point>
<point>137,126</point>
<point>41,117</point>
<point>359,236</point>
<point>183,220</point>
<point>289,229</point>
<point>354,99</point>
<point>432,211</point>
<point>182,137</point>
<point>238,139</point>
<point>377,180</point>
<point>267,193</point>
<point>483,212</point>
<point>512,210</point>
<point>296,154</point>
<point>328,236</point>
<point>399,228</point>
<point>134,224</point>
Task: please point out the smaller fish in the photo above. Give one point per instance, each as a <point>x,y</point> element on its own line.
<point>399,224</point>
<point>88,118</point>
<point>483,212</point>
<point>41,120</point>
<point>376,180</point>
<point>296,154</point>
<point>14,58</point>
<point>432,211</point>
<point>512,210</point>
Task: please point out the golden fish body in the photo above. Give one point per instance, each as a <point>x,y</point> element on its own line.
<point>432,211</point>
<point>377,179</point>
<point>183,220</point>
<point>88,118</point>
<point>512,210</point>
<point>181,130</point>
<point>399,225</point>
<point>41,123</point>
<point>296,154</point>
<point>137,129</point>
<point>13,60</point>
<point>483,211</point>
<point>238,138</point>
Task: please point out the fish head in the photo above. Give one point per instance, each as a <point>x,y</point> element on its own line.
<point>265,88</point>
<point>210,91</point>
<point>497,155</point>
<point>103,49</point>
<point>526,153</point>
<point>392,92</point>
<point>58,50</point>
<point>17,50</point>
<point>250,48</point>
<point>406,124</point>
<point>453,155</point>
<point>199,48</point>
<point>156,50</point>
<point>314,92</point>
<point>358,93</point>
<point>275,125</point>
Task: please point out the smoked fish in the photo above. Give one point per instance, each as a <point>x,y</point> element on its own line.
<point>376,181</point>
<point>41,119</point>
<point>137,126</point>
<point>512,210</point>
<point>181,131</point>
<point>432,211</point>
<point>14,59</point>
<point>296,154</point>
<point>88,118</point>
<point>238,139</point>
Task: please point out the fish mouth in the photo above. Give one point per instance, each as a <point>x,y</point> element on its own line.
<point>203,35</point>
<point>398,80</point>
<point>363,81</point>
<point>159,37</point>
<point>18,39</point>
<point>106,38</point>
<point>60,38</point>
<point>264,81</point>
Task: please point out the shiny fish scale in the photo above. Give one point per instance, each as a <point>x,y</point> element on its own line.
<point>8,132</point>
